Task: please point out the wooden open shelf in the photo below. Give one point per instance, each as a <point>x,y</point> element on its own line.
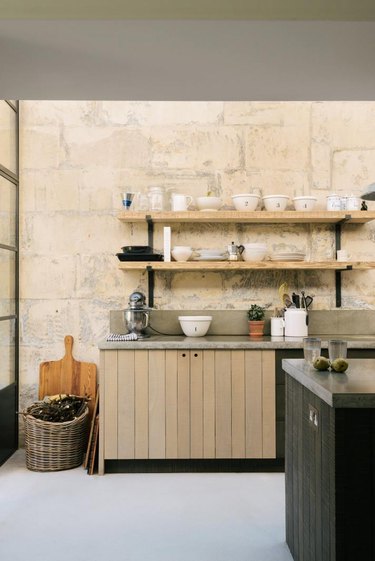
<point>244,265</point>
<point>255,217</point>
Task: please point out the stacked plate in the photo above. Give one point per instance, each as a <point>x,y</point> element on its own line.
<point>288,256</point>
<point>210,255</point>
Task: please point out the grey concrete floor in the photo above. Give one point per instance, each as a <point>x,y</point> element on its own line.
<point>70,516</point>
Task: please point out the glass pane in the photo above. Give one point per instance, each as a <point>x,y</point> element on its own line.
<point>7,212</point>
<point>7,352</point>
<point>7,282</point>
<point>8,138</point>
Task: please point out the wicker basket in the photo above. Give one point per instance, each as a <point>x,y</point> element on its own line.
<point>54,446</point>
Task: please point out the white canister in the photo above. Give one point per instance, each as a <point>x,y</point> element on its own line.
<point>353,203</point>
<point>277,327</point>
<point>296,320</point>
<point>333,202</point>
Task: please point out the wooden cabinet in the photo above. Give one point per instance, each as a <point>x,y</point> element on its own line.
<point>174,404</point>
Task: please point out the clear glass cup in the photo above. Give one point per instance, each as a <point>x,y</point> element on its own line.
<point>311,349</point>
<point>337,348</point>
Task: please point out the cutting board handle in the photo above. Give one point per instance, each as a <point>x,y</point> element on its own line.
<point>68,341</point>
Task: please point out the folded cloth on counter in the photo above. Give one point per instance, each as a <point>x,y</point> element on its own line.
<point>114,337</point>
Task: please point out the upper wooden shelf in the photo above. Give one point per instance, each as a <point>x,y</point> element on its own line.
<point>255,217</point>
<point>244,265</point>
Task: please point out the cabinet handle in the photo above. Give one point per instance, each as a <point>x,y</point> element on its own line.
<point>183,354</point>
<point>195,354</point>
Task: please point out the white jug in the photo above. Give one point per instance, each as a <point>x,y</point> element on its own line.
<point>180,202</point>
<point>296,321</point>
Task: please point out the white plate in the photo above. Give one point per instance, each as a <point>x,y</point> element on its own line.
<point>211,258</point>
<point>273,258</point>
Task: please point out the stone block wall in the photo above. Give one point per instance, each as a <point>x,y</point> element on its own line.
<point>76,157</point>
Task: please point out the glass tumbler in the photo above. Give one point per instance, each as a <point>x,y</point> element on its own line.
<point>337,349</point>
<point>311,349</point>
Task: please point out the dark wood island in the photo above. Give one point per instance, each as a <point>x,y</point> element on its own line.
<point>330,462</point>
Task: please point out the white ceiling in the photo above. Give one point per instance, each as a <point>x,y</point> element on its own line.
<point>187,60</point>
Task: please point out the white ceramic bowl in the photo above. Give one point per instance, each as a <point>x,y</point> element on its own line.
<point>210,252</point>
<point>195,326</point>
<point>254,254</point>
<point>247,201</point>
<point>208,203</point>
<point>304,204</point>
<point>181,252</point>
<point>274,203</point>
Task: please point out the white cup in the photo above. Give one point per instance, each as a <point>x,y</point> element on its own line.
<point>182,252</point>
<point>180,202</point>
<point>277,327</point>
<point>342,255</point>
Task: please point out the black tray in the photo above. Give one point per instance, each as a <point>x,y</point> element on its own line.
<point>132,249</point>
<point>140,256</point>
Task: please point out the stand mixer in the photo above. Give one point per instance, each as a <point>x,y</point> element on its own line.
<point>137,315</point>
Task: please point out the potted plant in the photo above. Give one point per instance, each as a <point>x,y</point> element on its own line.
<point>256,320</point>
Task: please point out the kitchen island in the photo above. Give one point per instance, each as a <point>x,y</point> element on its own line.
<point>330,461</point>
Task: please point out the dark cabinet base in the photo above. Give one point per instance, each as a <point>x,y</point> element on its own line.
<point>330,479</point>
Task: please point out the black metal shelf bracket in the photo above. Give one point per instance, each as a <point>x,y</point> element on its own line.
<point>151,285</point>
<point>150,231</point>
<point>338,283</point>
<point>149,269</point>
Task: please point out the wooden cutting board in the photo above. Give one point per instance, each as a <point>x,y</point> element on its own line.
<point>68,376</point>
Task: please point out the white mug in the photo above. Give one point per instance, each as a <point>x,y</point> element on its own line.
<point>342,255</point>
<point>181,202</point>
<point>277,327</point>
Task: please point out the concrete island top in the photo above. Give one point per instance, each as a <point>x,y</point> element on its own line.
<point>233,342</point>
<point>353,389</point>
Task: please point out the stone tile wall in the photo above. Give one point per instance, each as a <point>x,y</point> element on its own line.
<point>77,157</point>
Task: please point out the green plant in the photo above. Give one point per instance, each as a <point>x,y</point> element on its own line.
<point>256,313</point>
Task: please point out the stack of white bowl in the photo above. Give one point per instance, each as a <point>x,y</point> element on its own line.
<point>254,251</point>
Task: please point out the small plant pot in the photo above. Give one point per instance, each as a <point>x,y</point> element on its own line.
<point>256,328</point>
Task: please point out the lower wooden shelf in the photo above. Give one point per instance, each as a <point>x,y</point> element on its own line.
<point>244,265</point>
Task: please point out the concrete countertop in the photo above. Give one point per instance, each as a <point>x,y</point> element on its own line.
<point>233,342</point>
<point>353,389</point>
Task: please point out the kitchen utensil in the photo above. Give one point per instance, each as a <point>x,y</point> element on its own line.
<point>333,202</point>
<point>127,199</point>
<point>156,195</point>
<point>208,203</point>
<point>195,326</point>
<point>296,320</point>
<point>68,376</point>
<point>311,349</point>
<point>304,203</point>
<point>139,256</point>
<point>234,252</point>
<point>182,252</point>
<point>287,301</point>
<point>337,348</point>
<point>306,301</point>
<point>247,201</point>
<point>137,249</point>
<point>274,203</point>
<point>180,202</point>
<point>277,327</point>
<point>283,289</point>
<point>137,315</point>
<point>295,300</point>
